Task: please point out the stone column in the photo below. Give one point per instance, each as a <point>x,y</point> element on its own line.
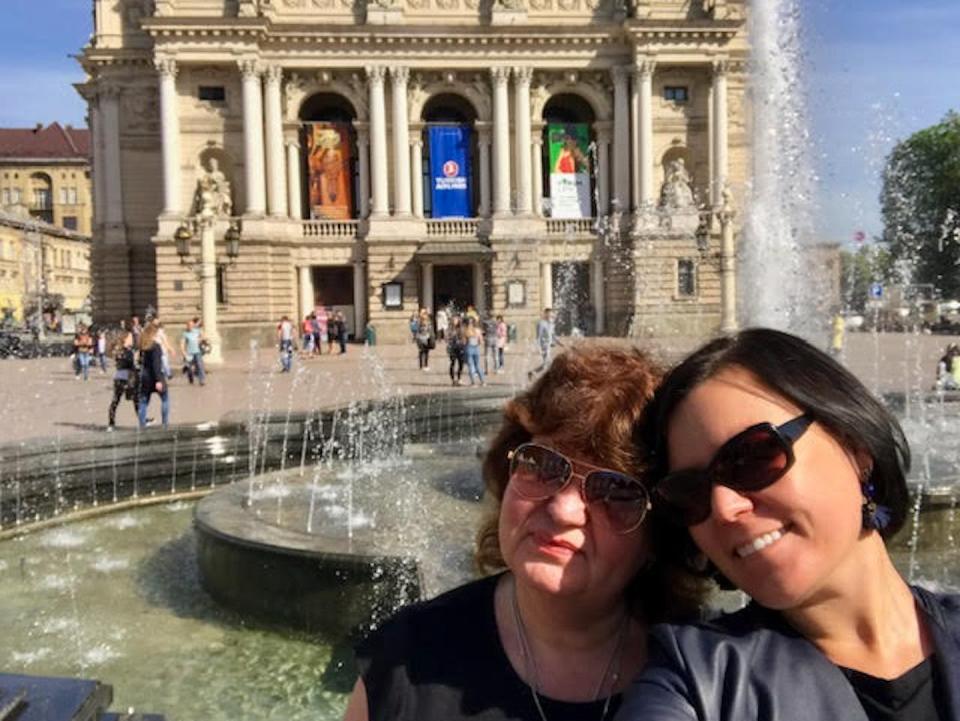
<point>483,143</point>
<point>479,295</point>
<point>635,183</point>
<point>170,136</point>
<point>728,271</point>
<point>644,78</point>
<point>597,291</point>
<point>363,170</point>
<point>426,290</point>
<point>546,285</point>
<point>378,142</point>
<point>253,137</point>
<point>276,192</point>
<point>359,299</point>
<point>719,134</point>
<point>521,130</point>
<point>501,142</point>
<point>306,292</point>
<point>621,138</point>
<point>603,168</point>
<point>294,189</point>
<point>96,127</point>
<point>113,178</point>
<point>416,172</point>
<point>401,142</point>
<point>536,163</point>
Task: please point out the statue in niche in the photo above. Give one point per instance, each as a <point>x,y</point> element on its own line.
<point>213,192</point>
<point>677,193</point>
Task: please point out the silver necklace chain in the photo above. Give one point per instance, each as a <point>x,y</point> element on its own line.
<point>530,662</point>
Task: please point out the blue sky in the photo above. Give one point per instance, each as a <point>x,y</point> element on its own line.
<point>879,70</point>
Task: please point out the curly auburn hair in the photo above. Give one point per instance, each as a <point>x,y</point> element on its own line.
<point>588,402</point>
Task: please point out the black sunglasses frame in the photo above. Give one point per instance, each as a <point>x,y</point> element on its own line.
<point>571,473</point>
<point>689,504</point>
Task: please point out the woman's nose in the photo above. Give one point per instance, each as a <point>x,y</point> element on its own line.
<point>568,506</point>
<point>727,504</point>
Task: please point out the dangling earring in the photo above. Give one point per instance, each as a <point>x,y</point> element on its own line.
<point>875,516</point>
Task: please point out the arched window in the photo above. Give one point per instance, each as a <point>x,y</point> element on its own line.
<point>41,196</point>
<point>568,130</point>
<point>330,170</point>
<point>457,117</point>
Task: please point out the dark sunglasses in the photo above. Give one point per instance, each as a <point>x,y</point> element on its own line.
<point>538,472</point>
<point>750,461</point>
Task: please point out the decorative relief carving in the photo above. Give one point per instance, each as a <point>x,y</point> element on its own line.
<point>249,68</point>
<point>376,73</point>
<point>523,74</point>
<point>645,67</point>
<point>541,4</point>
<point>510,4</point>
<point>298,87</point>
<point>399,75</point>
<point>273,73</point>
<point>721,66</point>
<point>140,110</point>
<point>500,75</point>
<point>568,4</point>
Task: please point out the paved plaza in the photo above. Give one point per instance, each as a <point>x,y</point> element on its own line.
<point>41,398</point>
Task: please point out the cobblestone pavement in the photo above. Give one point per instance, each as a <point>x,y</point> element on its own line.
<point>41,398</point>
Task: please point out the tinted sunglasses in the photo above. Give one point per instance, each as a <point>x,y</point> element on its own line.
<point>750,461</point>
<point>538,472</point>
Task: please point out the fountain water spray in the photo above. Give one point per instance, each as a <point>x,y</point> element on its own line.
<point>773,289</point>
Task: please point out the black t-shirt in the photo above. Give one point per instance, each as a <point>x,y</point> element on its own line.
<point>917,695</point>
<point>442,660</point>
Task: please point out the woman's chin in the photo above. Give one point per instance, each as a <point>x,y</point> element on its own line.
<point>548,577</point>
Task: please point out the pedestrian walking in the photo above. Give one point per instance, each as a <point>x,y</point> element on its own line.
<point>489,343</point>
<point>501,331</point>
<point>126,380</point>
<point>473,337</point>
<point>285,339</point>
<point>333,332</point>
<point>425,339</point>
<point>341,323</point>
<point>456,349</point>
<point>306,336</point>
<point>192,354</point>
<point>82,348</point>
<point>152,377</point>
<point>102,350</point>
<point>443,320</point>
<point>546,339</point>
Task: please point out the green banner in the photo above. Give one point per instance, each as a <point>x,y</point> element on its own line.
<point>569,170</point>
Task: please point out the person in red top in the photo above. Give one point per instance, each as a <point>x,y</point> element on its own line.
<point>83,347</point>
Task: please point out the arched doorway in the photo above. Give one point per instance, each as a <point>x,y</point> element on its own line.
<point>330,171</point>
<point>449,142</point>
<point>569,173</point>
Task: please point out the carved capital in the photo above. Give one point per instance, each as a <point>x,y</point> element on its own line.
<point>249,68</point>
<point>523,75</point>
<point>644,67</point>
<point>721,66</point>
<point>375,74</point>
<point>166,67</point>
<point>109,91</point>
<point>500,76</point>
<point>273,73</point>
<point>399,76</point>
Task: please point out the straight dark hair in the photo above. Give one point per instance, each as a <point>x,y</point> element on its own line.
<point>813,381</point>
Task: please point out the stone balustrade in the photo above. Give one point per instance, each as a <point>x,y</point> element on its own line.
<point>453,227</point>
<point>335,229</point>
<point>576,226</point>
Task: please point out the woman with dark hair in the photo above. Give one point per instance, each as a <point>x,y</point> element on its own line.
<point>788,476</point>
<point>559,628</point>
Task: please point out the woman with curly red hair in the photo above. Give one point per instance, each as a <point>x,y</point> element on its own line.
<point>559,627</point>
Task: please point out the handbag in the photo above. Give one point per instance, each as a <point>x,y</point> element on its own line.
<point>205,347</point>
<point>431,343</point>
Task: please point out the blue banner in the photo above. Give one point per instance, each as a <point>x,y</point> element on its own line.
<point>450,171</point>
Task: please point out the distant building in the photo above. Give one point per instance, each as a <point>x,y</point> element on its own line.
<point>385,155</point>
<point>38,259</point>
<point>47,170</point>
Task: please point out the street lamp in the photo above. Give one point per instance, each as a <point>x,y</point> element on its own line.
<point>183,235</point>
<point>232,238</point>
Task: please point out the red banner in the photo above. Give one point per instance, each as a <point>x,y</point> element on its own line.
<point>328,145</point>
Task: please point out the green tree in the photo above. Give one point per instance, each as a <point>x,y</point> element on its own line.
<point>859,270</point>
<point>921,206</point>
